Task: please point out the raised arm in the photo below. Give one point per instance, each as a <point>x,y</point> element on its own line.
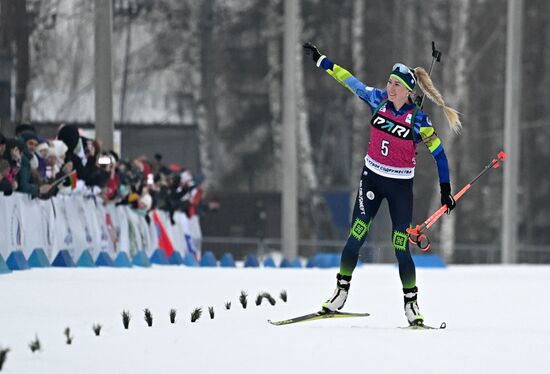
<point>370,95</point>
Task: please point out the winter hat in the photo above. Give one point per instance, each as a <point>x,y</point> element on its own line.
<point>186,177</point>
<point>404,75</point>
<point>24,127</point>
<point>69,135</point>
<point>28,135</point>
<point>60,148</point>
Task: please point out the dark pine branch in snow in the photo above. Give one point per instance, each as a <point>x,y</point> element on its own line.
<point>269,298</point>
<point>243,299</point>
<point>3,356</point>
<point>35,345</point>
<point>126,319</point>
<point>68,337</point>
<point>148,317</point>
<point>97,329</point>
<point>196,314</point>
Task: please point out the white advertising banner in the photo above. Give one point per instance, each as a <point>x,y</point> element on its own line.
<point>77,223</point>
<point>10,226</point>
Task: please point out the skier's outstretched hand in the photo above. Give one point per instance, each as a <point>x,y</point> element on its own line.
<point>311,50</point>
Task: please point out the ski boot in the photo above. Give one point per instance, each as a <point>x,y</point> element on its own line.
<point>338,299</point>
<point>412,312</point>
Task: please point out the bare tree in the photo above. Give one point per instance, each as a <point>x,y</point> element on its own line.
<point>456,93</point>
<point>201,62</point>
<point>6,64</point>
<point>274,79</point>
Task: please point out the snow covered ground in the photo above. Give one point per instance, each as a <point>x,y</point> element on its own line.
<point>496,321</point>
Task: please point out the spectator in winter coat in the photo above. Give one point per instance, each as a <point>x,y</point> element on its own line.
<point>42,151</point>
<point>5,185</point>
<point>30,139</point>
<point>24,176</point>
<point>56,159</point>
<point>97,175</point>
<point>70,136</point>
<point>108,163</point>
<point>12,154</point>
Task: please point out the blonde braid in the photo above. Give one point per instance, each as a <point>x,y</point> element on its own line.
<point>426,85</point>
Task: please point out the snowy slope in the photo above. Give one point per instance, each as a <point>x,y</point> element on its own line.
<point>496,317</point>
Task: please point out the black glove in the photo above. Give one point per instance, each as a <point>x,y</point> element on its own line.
<point>311,50</point>
<point>446,197</point>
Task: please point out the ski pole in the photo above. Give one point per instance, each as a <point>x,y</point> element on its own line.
<point>436,56</point>
<point>417,236</point>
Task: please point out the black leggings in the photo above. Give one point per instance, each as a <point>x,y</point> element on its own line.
<point>373,188</point>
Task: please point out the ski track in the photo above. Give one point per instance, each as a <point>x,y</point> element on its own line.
<point>495,315</point>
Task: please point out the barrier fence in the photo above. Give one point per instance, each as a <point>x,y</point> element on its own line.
<point>82,230</point>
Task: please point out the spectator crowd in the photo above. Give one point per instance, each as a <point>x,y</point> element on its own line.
<point>72,163</point>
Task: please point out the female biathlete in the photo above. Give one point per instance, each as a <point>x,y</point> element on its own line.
<point>397,126</point>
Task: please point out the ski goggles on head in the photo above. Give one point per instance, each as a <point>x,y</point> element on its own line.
<point>404,75</point>
<point>404,69</point>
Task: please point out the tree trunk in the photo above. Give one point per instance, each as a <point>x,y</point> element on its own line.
<point>196,77</point>
<point>203,82</point>
<point>125,69</point>
<point>456,97</point>
<point>22,67</point>
<point>274,79</point>
<point>308,184</point>
<point>360,120</point>
<point>6,65</point>
<point>207,106</point>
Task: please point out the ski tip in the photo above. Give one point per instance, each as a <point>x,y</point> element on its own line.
<point>443,325</point>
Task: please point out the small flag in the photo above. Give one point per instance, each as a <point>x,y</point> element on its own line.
<point>73,178</point>
<point>164,240</point>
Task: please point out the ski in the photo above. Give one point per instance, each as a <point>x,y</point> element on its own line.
<point>424,327</point>
<point>317,316</point>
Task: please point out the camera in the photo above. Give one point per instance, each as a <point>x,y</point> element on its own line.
<point>104,160</point>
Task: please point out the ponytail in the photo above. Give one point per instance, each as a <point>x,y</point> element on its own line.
<point>427,86</point>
